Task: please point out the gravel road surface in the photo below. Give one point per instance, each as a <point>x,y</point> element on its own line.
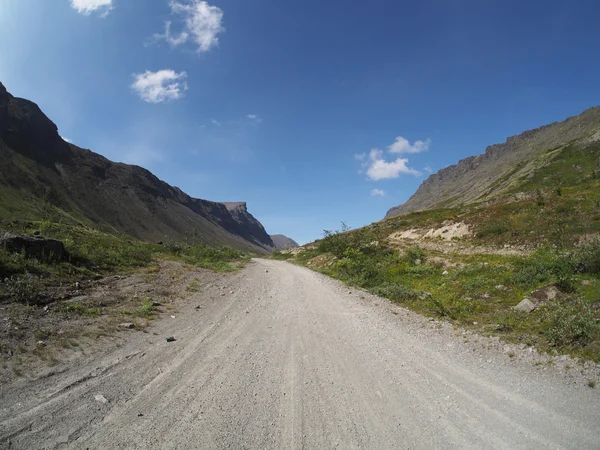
<point>279,357</point>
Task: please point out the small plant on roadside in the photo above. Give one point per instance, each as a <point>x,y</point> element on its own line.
<point>147,308</point>
<point>571,324</point>
<point>25,288</point>
<point>592,383</point>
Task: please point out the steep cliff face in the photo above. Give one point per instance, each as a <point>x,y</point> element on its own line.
<point>41,175</point>
<point>486,176</point>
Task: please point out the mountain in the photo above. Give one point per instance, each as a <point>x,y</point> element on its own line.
<point>44,177</point>
<point>502,167</point>
<point>283,242</point>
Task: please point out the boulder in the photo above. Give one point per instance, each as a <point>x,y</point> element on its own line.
<point>525,306</point>
<point>34,246</point>
<point>545,294</point>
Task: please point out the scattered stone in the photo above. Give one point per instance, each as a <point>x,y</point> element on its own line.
<point>445,272</point>
<point>100,398</point>
<point>77,285</point>
<point>525,306</point>
<point>41,343</point>
<point>155,304</point>
<point>545,294</point>
<point>140,415</point>
<point>171,339</point>
<point>127,325</point>
<point>418,262</point>
<point>486,295</point>
<point>266,271</point>
<point>587,282</point>
<point>198,307</point>
<point>231,292</point>
<point>37,233</point>
<point>501,287</point>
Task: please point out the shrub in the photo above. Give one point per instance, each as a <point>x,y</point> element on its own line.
<point>587,257</point>
<point>24,288</point>
<point>542,267</point>
<point>493,229</point>
<point>415,253</point>
<point>572,324</point>
<point>394,291</point>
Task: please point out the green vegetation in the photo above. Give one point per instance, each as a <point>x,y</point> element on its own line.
<point>93,254</point>
<point>473,288</point>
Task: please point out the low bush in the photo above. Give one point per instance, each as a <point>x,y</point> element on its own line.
<point>394,291</point>
<point>587,257</point>
<point>415,253</point>
<point>25,288</point>
<point>571,324</point>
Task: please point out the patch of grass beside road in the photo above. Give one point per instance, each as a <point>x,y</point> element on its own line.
<point>477,291</point>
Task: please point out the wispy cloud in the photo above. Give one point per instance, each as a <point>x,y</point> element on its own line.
<point>255,118</point>
<point>402,145</point>
<point>87,7</point>
<point>428,169</point>
<point>215,122</point>
<point>201,24</point>
<point>377,192</point>
<point>157,87</point>
<point>377,167</point>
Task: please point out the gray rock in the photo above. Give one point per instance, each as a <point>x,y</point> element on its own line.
<point>501,287</point>
<point>34,246</point>
<point>171,339</point>
<point>128,325</point>
<point>525,306</point>
<point>100,398</point>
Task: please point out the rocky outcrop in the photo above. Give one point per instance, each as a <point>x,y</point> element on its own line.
<point>41,174</point>
<point>36,247</point>
<point>479,178</point>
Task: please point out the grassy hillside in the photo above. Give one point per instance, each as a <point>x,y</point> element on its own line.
<point>94,254</point>
<point>539,239</point>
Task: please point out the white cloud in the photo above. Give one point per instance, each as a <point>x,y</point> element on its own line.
<point>215,122</point>
<point>380,169</point>
<point>402,145</point>
<point>254,118</point>
<point>428,169</point>
<point>377,192</point>
<point>87,7</point>
<point>384,170</point>
<point>201,24</point>
<point>156,87</point>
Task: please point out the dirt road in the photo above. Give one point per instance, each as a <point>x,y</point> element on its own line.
<point>277,356</point>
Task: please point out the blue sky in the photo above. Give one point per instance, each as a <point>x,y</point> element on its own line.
<point>314,112</point>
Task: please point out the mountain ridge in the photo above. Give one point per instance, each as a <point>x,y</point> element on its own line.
<point>43,175</point>
<point>479,178</point>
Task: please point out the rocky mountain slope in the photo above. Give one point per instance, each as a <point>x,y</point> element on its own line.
<point>503,166</point>
<point>44,177</point>
<point>283,242</point>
